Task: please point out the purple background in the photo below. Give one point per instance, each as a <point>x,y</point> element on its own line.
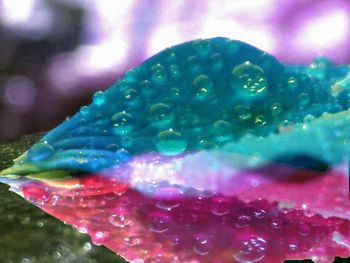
<point>55,54</point>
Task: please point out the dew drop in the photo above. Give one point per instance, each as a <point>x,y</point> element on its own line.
<point>260,120</point>
<point>275,222</point>
<point>309,118</point>
<point>206,145</point>
<point>159,224</point>
<point>99,98</point>
<point>194,63</point>
<point>146,88</point>
<point>201,245</point>
<point>170,142</point>
<point>251,250</point>
<point>202,47</point>
<point>158,73</point>
<point>122,123</point>
<point>260,213</point>
<point>175,71</point>
<point>292,82</point>
<point>202,86</point>
<point>98,237</point>
<point>84,110</point>
<point>276,109</point>
<point>167,204</point>
<point>87,247</point>
<point>293,246</point>
<point>216,61</point>
<point>303,99</point>
<point>242,221</point>
<point>249,80</point>
<point>243,112</point>
<point>119,221</point>
<point>160,115</point>
<point>130,94</point>
<point>132,241</point>
<point>40,152</point>
<point>126,141</point>
<point>304,230</point>
<point>123,155</point>
<point>220,208</point>
<point>222,131</point>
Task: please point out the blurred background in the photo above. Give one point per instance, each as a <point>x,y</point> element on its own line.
<point>55,53</point>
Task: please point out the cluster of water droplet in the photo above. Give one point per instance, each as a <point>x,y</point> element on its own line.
<point>194,96</point>
<point>186,224</point>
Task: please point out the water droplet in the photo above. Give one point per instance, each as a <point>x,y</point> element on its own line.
<point>249,80</point>
<point>120,221</point>
<point>175,71</point>
<point>292,82</point>
<point>159,223</point>
<point>131,76</point>
<point>276,109</point>
<point>57,255</point>
<point>243,112</point>
<point>251,250</point>
<point>304,99</point>
<point>167,204</point>
<point>84,110</point>
<point>126,141</point>
<point>243,221</point>
<point>123,155</point>
<point>202,47</point>
<point>87,246</point>
<point>26,260</point>
<point>194,63</point>
<point>201,245</point>
<point>170,142</point>
<point>260,120</point>
<point>40,152</point>
<point>99,98</point>
<point>276,222</point>
<point>222,130</point>
<point>158,73</point>
<point>122,123</point>
<point>146,88</point>
<point>220,207</point>
<point>160,115</point>
<point>132,241</point>
<point>309,118</point>
<point>82,229</point>
<point>99,237</point>
<point>202,86</point>
<point>216,62</point>
<point>293,246</point>
<point>206,145</point>
<point>304,230</point>
<point>260,213</point>
<point>130,94</point>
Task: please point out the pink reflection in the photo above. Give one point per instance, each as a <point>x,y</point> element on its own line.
<point>153,211</point>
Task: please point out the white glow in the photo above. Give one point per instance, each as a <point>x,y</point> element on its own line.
<point>99,58</point>
<point>324,32</point>
<point>254,35</point>
<point>163,37</point>
<point>16,11</point>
